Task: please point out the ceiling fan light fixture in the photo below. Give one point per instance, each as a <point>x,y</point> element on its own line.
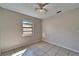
<point>42,10</point>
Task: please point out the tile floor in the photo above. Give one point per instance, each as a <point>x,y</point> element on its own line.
<point>45,49</point>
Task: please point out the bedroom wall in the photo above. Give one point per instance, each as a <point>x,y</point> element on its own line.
<point>63,30</point>
<point>11,30</point>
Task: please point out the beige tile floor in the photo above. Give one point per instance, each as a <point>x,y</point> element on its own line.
<point>45,49</point>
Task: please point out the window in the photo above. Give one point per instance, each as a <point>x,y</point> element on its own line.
<point>27,28</point>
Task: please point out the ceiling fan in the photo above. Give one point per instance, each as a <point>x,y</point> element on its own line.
<point>42,7</point>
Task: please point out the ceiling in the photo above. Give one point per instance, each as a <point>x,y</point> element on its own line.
<point>29,8</point>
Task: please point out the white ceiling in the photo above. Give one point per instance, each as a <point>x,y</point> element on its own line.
<point>29,8</point>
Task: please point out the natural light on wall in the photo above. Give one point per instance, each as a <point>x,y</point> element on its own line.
<point>27,28</point>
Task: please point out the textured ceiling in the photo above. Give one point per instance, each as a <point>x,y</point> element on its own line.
<point>29,8</point>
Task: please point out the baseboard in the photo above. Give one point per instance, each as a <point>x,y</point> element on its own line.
<point>62,46</point>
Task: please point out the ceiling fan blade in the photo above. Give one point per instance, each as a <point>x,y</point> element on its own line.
<point>40,5</point>
<point>45,4</point>
<point>46,10</point>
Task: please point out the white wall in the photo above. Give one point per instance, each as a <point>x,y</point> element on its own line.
<point>63,30</point>
<point>11,30</point>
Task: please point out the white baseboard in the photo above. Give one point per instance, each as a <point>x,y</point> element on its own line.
<point>62,46</point>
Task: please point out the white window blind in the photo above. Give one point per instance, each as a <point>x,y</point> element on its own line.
<point>27,28</point>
